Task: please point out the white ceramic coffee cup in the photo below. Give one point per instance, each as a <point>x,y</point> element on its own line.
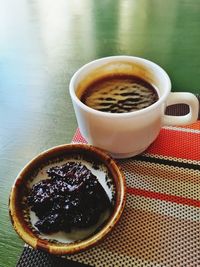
<point>127,134</point>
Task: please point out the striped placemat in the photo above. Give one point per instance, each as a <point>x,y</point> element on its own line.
<point>161,221</point>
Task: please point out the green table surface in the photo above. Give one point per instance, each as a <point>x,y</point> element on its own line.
<point>43,42</point>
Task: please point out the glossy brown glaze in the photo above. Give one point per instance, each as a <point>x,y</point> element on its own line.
<point>21,222</point>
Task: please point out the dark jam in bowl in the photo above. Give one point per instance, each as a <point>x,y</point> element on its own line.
<point>71,197</point>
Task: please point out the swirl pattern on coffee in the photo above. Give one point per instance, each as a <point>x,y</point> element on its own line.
<point>119,94</point>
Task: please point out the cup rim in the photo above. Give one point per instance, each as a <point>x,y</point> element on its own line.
<point>116,58</point>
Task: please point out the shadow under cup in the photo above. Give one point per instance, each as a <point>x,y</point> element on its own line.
<point>123,135</point>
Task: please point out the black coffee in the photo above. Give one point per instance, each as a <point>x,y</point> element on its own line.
<point>119,94</point>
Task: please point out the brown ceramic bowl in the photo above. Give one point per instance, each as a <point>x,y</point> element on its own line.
<point>60,243</point>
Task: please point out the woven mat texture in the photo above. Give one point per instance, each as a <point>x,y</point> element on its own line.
<point>161,221</point>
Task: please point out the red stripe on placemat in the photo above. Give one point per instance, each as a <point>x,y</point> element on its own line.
<point>165,197</point>
<point>193,126</point>
<point>78,137</point>
<point>178,144</point>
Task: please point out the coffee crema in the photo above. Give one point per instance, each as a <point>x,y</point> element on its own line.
<point>119,93</point>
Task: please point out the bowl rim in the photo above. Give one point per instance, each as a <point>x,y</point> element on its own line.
<point>67,248</point>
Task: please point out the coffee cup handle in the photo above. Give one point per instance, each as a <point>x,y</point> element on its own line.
<point>182,98</point>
